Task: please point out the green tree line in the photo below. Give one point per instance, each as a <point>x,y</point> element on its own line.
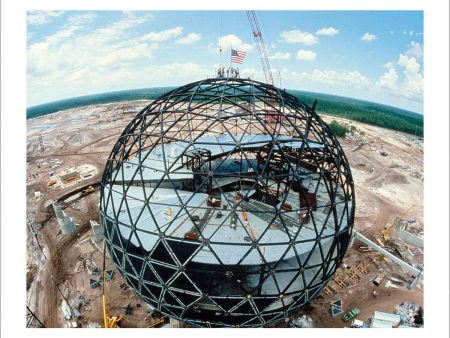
<point>366,112</point>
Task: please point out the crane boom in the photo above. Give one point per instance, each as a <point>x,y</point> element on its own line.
<point>387,229</point>
<point>261,46</point>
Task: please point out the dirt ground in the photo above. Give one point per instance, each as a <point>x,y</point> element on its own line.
<point>387,168</point>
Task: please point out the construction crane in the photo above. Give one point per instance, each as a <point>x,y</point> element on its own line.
<point>387,229</point>
<point>270,119</point>
<point>251,15</point>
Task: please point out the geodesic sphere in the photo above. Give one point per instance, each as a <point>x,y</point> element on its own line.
<point>227,202</point>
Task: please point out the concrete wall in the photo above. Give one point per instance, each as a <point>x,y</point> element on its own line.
<point>410,238</point>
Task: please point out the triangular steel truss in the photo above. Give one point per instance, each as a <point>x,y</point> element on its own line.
<point>217,217</point>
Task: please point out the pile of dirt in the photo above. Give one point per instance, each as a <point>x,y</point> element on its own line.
<point>388,179</point>
<point>396,178</point>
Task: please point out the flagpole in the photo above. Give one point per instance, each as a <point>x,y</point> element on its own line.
<point>230,58</point>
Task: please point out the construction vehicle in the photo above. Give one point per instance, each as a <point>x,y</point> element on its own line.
<point>87,191</point>
<point>387,229</point>
<point>112,322</point>
<point>378,279</point>
<point>351,314</point>
<point>358,324</point>
<point>157,322</point>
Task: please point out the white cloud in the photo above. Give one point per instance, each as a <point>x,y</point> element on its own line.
<point>129,13</point>
<point>81,19</point>
<point>389,65</point>
<point>38,18</point>
<point>74,24</point>
<point>63,48</point>
<point>353,83</point>
<point>305,55</point>
<point>330,78</point>
<point>409,64</point>
<point>415,49</point>
<point>280,56</point>
<point>330,31</point>
<point>297,36</point>
<point>368,37</point>
<point>413,83</point>
<point>388,79</point>
<point>163,35</point>
<point>352,78</point>
<point>249,72</point>
<point>77,60</point>
<point>128,53</point>
<point>189,39</point>
<point>213,48</point>
<point>62,34</point>
<point>116,30</point>
<point>232,41</point>
<point>177,72</point>
<point>117,78</point>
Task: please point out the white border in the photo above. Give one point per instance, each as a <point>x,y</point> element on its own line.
<point>13,135</point>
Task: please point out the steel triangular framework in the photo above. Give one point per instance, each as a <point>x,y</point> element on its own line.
<point>32,320</point>
<point>218,216</point>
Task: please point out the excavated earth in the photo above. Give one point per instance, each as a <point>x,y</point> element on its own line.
<point>387,168</point>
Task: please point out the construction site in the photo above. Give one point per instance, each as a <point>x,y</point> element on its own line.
<point>381,272</point>
<point>226,202</point>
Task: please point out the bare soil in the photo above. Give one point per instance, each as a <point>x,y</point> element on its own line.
<point>387,168</point>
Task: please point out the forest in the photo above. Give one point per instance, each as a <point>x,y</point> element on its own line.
<point>366,112</point>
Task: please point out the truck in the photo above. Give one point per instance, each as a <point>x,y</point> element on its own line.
<point>351,314</point>
<point>356,323</point>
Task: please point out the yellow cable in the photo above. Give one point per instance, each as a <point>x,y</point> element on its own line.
<point>105,316</point>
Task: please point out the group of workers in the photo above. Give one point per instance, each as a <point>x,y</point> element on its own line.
<point>230,72</point>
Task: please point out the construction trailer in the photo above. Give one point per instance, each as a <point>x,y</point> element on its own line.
<point>70,177</point>
<point>384,320</point>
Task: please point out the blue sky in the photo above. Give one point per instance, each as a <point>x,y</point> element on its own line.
<point>371,55</point>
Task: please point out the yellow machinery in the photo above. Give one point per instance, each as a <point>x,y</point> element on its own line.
<point>109,322</point>
<point>88,190</point>
<point>397,221</point>
<point>157,322</point>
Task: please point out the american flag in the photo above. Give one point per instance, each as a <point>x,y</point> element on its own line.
<point>237,56</point>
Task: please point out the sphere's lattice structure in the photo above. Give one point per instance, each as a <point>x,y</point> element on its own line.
<point>227,202</point>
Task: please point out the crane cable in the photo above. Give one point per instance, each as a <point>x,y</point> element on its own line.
<point>47,268</point>
<point>220,47</point>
